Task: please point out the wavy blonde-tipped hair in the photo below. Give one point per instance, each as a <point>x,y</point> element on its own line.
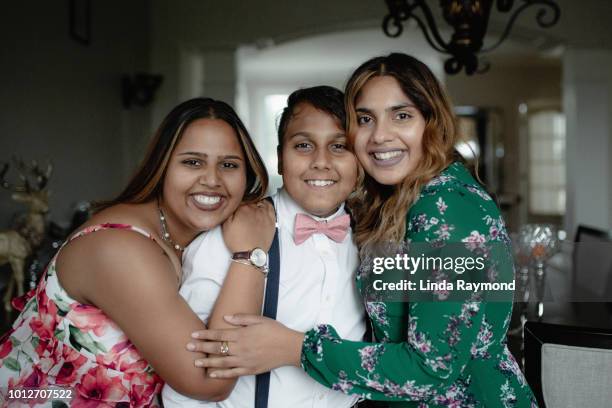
<point>380,210</point>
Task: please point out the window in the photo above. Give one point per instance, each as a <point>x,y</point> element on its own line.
<point>547,185</point>
<point>273,108</point>
<point>468,147</point>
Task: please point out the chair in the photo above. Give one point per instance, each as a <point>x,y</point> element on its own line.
<point>592,265</point>
<point>568,366</point>
<point>584,230</point>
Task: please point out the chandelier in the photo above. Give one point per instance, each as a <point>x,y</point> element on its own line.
<point>469,19</point>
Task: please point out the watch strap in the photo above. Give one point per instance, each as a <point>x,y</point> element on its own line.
<point>247,261</point>
<point>246,255</point>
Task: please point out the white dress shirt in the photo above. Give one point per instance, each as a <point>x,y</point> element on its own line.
<point>317,285</point>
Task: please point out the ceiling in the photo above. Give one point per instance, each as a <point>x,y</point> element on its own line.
<point>337,54</point>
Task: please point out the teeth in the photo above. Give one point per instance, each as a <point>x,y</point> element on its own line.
<point>387,155</point>
<point>320,183</point>
<point>207,200</point>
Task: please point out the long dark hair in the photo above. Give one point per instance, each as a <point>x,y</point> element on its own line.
<point>146,184</point>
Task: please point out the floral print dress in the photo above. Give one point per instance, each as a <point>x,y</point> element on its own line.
<point>432,354</point>
<point>59,342</point>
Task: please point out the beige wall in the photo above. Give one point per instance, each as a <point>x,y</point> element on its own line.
<point>218,28</point>
<point>587,99</point>
<point>505,87</point>
<point>221,26</point>
<point>62,100</point>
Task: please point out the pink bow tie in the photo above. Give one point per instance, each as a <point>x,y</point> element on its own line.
<point>335,229</point>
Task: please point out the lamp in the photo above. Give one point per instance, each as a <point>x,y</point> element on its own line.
<point>469,19</point>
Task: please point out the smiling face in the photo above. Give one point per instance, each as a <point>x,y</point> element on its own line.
<point>318,170</point>
<point>389,133</point>
<point>206,177</point>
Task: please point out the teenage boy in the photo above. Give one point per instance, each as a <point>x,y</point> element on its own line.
<point>317,269</point>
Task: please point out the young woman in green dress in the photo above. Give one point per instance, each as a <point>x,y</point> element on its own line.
<point>427,353</point>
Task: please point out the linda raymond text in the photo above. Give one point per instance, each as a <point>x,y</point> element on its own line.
<point>428,285</point>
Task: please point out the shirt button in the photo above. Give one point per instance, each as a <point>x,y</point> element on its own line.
<point>327,298</point>
<point>321,396</point>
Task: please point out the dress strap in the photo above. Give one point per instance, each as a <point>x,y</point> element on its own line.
<point>20,301</point>
<point>100,227</point>
<point>106,226</point>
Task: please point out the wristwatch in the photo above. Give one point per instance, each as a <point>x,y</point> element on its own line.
<point>256,257</point>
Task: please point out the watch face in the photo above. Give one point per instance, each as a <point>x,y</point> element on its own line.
<point>259,257</point>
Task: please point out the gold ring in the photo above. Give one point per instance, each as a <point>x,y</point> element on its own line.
<point>224,350</point>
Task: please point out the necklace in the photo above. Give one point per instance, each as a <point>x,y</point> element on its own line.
<point>165,235</point>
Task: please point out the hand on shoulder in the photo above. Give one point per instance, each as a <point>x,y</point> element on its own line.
<point>251,226</point>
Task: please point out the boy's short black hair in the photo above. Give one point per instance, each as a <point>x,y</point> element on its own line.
<point>324,98</point>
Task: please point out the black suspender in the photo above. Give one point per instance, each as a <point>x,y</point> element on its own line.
<point>262,381</point>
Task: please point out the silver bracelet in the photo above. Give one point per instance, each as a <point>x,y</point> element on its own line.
<point>263,269</point>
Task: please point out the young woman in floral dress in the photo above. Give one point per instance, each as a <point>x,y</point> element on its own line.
<point>106,323</point>
<point>428,353</point>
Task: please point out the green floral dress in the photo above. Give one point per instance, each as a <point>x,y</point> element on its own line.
<point>432,354</point>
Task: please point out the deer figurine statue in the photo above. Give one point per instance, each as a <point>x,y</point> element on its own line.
<point>18,244</point>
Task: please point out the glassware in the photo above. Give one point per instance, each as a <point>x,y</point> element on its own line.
<point>538,242</point>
